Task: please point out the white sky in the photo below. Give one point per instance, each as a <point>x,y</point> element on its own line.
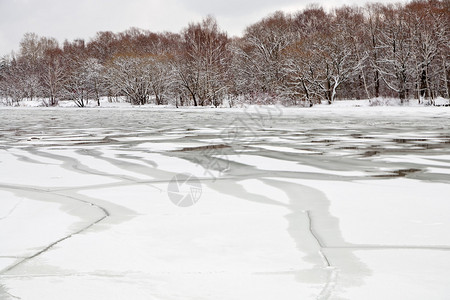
<point>70,19</point>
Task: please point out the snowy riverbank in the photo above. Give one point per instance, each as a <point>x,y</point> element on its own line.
<point>121,103</point>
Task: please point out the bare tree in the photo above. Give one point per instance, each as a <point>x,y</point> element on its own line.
<point>53,75</point>
<point>131,77</point>
<point>394,63</point>
<point>261,51</point>
<point>161,78</point>
<point>204,61</point>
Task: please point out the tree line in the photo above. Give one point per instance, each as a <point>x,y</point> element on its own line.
<point>303,58</point>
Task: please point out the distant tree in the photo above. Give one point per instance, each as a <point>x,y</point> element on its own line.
<point>350,21</point>
<point>103,46</point>
<point>203,62</point>
<point>130,76</point>
<point>12,83</point>
<point>53,75</point>
<point>161,78</point>
<point>372,26</point>
<point>261,51</point>
<point>428,36</point>
<point>95,76</point>
<point>77,87</point>
<point>395,62</point>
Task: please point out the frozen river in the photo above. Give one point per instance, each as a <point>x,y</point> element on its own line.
<point>349,203</point>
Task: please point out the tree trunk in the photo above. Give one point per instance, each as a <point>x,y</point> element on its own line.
<point>377,84</point>
<point>194,99</point>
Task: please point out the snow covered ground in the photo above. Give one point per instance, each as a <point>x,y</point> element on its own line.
<point>121,102</point>
<point>322,203</point>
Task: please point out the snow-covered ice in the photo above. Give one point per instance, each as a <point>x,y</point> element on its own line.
<point>323,203</point>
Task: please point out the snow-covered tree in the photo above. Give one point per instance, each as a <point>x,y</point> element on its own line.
<point>161,78</point>
<point>428,36</point>
<point>204,62</point>
<point>260,52</point>
<point>130,76</point>
<point>53,75</point>
<point>395,60</point>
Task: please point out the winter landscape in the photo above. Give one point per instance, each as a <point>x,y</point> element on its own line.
<point>308,158</point>
<point>327,203</point>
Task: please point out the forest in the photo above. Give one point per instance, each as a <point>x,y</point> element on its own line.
<point>294,59</point>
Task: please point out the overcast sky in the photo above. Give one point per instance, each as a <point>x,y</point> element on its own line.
<point>70,19</point>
